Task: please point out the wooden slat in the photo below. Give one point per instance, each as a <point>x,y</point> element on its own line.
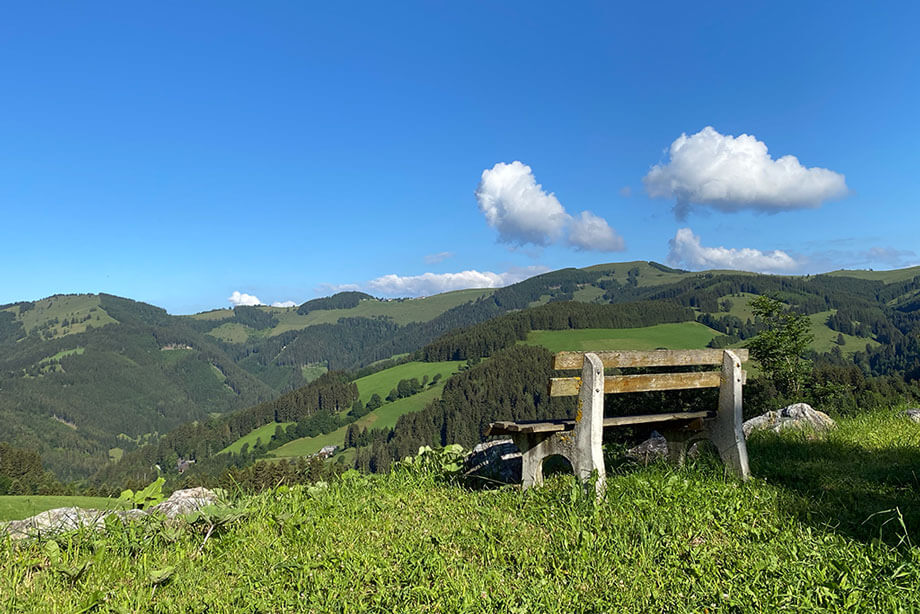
<point>498,428</point>
<point>569,386</point>
<point>504,427</point>
<point>652,418</point>
<point>654,358</point>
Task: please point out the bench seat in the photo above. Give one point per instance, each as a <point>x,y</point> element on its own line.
<point>553,426</point>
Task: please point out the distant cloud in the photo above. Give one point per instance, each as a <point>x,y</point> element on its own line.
<point>239,299</point>
<point>284,304</point>
<point>589,232</point>
<point>877,257</point>
<point>686,250</point>
<point>522,212</point>
<point>434,283</point>
<point>734,173</point>
<point>626,191</point>
<point>891,257</point>
<point>439,257</point>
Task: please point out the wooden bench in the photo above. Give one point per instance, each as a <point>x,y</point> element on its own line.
<point>579,439</point>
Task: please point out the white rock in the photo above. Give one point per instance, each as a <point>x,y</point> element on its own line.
<point>798,415</point>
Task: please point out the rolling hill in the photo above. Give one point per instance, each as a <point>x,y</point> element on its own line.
<point>86,376</point>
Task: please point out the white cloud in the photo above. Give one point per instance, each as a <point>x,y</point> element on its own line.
<point>439,257</point>
<point>687,250</point>
<point>523,212</point>
<point>590,232</point>
<point>518,207</point>
<point>434,283</point>
<point>237,299</point>
<point>626,191</point>
<point>734,173</point>
<point>284,304</point>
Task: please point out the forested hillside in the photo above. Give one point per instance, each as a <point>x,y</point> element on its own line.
<point>87,378</point>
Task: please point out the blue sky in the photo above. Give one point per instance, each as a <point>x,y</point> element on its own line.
<point>177,153</point>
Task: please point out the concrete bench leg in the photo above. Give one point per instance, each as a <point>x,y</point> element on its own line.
<point>581,447</point>
<point>725,431</point>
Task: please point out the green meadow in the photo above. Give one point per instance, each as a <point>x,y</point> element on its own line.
<point>384,416</point>
<point>16,507</point>
<point>683,335</point>
<point>830,523</point>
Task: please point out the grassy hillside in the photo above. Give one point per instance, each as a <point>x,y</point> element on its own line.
<point>383,417</point>
<point>684,335</point>
<point>829,524</point>
<point>384,381</point>
<point>888,277</point>
<point>264,433</point>
<point>402,311</point>
<point>16,507</point>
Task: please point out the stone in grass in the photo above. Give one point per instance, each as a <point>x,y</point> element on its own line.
<point>494,463</point>
<point>64,519</point>
<point>650,450</point>
<point>796,416</point>
<point>913,414</point>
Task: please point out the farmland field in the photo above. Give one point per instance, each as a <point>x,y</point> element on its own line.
<point>684,335</point>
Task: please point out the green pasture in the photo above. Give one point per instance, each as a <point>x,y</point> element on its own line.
<point>382,417</point>
<point>17,507</point>
<point>264,433</point>
<point>384,381</point>
<point>64,307</point>
<point>683,335</point>
<point>232,332</point>
<point>312,371</point>
<point>401,311</point>
<point>888,277</point>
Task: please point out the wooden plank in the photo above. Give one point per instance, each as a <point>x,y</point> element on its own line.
<point>503,427</point>
<point>569,386</point>
<point>652,418</point>
<point>498,428</point>
<point>653,358</point>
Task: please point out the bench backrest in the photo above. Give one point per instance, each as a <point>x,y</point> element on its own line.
<point>570,386</point>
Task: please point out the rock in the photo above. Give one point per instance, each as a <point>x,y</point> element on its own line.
<point>913,414</point>
<point>496,462</point>
<point>650,450</point>
<point>185,502</point>
<point>64,519</point>
<point>799,415</point>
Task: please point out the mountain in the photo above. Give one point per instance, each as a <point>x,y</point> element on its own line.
<point>86,378</point>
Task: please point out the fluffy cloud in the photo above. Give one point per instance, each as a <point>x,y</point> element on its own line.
<point>434,283</point>
<point>439,257</point>
<point>687,250</point>
<point>590,232</point>
<point>284,304</point>
<point>734,173</point>
<point>523,212</point>
<point>237,299</point>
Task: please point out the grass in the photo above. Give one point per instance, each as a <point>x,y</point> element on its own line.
<point>829,525</point>
<point>402,312</point>
<point>888,277</point>
<point>384,416</point>
<point>384,381</point>
<point>17,507</point>
<point>65,307</point>
<point>232,332</point>
<point>826,338</point>
<point>264,433</point>
<point>684,335</point>
<point>312,371</point>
